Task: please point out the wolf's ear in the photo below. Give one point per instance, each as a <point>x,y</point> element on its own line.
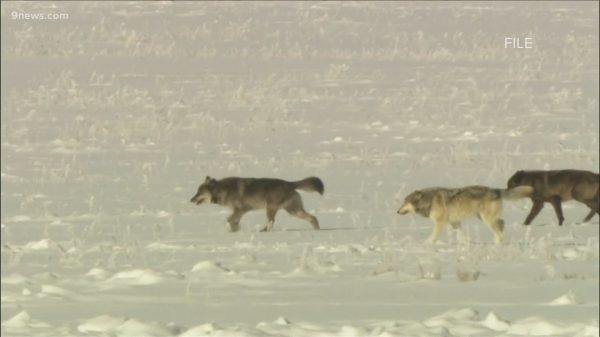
<point>418,195</point>
<point>208,178</point>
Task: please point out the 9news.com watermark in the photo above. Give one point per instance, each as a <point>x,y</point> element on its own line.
<point>16,15</point>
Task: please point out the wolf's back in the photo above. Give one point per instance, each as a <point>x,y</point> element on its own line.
<point>310,184</point>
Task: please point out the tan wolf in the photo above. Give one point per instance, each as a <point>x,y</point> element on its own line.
<point>246,194</point>
<point>453,205</point>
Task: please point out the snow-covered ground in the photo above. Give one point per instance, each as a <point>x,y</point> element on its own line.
<point>112,117</point>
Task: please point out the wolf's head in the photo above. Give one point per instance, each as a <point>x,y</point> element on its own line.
<point>517,179</point>
<point>416,202</point>
<point>205,191</point>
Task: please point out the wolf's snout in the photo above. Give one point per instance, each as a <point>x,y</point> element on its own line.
<point>404,209</point>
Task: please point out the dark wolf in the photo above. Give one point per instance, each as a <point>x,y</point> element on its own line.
<point>453,205</point>
<point>246,194</point>
<point>558,186</point>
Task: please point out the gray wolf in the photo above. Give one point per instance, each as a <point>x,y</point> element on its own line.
<point>453,205</point>
<point>558,186</point>
<point>246,194</point>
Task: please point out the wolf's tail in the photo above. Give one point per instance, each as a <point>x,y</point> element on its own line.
<point>518,192</point>
<point>310,184</point>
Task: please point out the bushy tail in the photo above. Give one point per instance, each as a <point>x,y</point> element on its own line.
<point>518,192</point>
<point>310,184</point>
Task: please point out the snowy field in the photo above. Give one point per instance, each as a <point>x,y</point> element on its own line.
<point>112,117</point>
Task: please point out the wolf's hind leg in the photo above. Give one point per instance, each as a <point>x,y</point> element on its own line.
<point>496,225</point>
<point>590,215</point>
<point>499,226</point>
<point>302,214</point>
<point>593,205</point>
<point>296,209</point>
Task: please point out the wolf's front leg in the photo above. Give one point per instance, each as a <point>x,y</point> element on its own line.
<point>267,227</point>
<point>538,204</point>
<point>556,203</point>
<point>437,229</point>
<point>461,236</point>
<point>234,227</point>
<point>271,218</point>
<point>234,219</point>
